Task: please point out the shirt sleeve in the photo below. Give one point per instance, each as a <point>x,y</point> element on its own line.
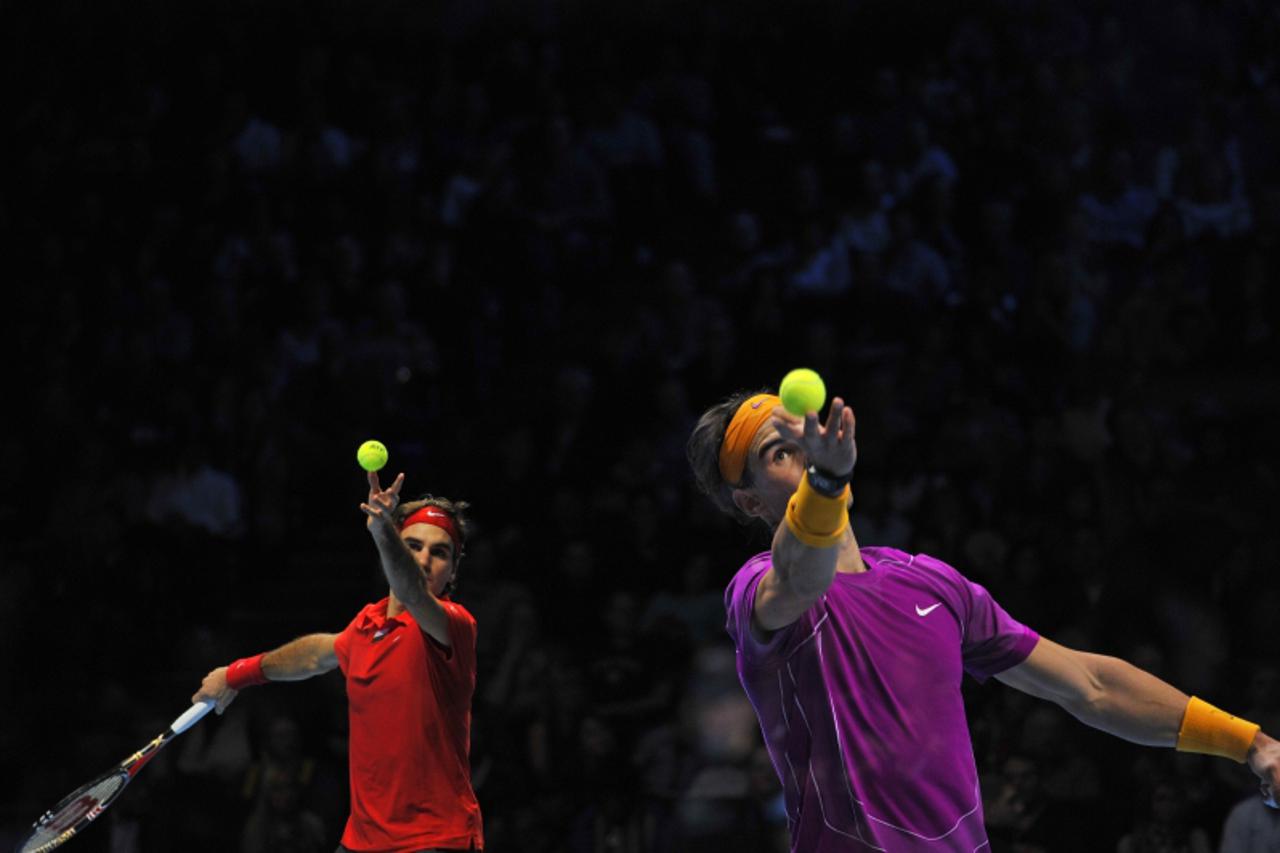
<point>739,602</point>
<point>342,645</point>
<point>991,640</point>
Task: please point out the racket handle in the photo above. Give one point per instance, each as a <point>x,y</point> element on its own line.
<point>192,716</point>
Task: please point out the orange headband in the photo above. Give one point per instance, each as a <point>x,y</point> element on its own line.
<point>737,436</point>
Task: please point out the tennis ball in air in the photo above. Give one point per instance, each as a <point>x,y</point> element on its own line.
<point>802,391</point>
<point>372,455</point>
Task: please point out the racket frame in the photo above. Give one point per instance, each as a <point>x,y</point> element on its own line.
<point>127,768</point>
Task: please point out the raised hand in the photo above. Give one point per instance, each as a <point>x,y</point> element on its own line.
<point>380,507</point>
<point>830,448</point>
<point>1264,761</point>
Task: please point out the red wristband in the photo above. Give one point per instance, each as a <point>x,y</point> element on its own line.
<point>246,672</point>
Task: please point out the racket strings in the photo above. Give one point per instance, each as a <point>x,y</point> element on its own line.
<point>76,808</point>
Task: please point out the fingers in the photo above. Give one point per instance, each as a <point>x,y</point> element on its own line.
<point>377,514</point>
<point>221,699</point>
<point>389,496</point>
<point>830,443</point>
<point>787,424</point>
<point>834,417</point>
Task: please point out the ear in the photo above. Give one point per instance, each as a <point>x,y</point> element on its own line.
<point>451,584</point>
<point>748,502</point>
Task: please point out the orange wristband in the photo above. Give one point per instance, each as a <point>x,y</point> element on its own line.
<point>815,519</point>
<point>1210,731</point>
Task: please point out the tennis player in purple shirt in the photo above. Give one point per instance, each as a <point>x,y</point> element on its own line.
<point>853,657</point>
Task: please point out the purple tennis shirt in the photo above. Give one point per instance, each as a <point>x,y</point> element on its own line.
<point>859,702</point>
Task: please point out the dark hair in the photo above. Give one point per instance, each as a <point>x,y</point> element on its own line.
<point>456,510</point>
<point>703,452</point>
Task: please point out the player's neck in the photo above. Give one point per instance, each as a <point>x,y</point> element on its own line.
<point>394,607</point>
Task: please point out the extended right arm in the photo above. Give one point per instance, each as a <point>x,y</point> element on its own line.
<point>298,659</point>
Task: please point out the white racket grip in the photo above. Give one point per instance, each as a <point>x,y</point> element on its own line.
<point>192,716</point>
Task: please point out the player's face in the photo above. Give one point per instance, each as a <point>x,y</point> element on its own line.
<point>432,550</point>
<point>776,465</point>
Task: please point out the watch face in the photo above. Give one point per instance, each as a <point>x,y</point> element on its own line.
<point>824,483</point>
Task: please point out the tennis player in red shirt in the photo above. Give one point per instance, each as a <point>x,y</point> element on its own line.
<point>410,666</point>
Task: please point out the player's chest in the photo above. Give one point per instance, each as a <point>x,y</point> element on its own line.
<point>385,655</point>
<point>906,635</point>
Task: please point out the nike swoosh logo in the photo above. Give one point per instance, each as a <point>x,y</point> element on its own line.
<point>925,611</point>
<point>757,404</point>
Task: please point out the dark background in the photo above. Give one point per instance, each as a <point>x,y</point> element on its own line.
<point>525,244</point>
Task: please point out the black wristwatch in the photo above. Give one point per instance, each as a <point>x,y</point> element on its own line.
<point>826,483</point>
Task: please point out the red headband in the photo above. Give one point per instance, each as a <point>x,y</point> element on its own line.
<point>435,515</point>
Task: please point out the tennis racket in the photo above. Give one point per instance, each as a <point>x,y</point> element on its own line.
<point>79,808</point>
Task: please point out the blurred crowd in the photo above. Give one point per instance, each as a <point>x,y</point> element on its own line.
<point>1034,244</point>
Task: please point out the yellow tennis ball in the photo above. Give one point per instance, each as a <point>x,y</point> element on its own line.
<point>802,391</point>
<point>372,455</point>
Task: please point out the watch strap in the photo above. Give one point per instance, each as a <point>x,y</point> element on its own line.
<point>826,483</point>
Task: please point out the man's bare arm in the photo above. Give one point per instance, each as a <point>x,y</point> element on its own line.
<point>1104,692</point>
<point>1115,696</point>
<point>799,577</point>
<point>301,658</point>
<point>294,661</point>
<point>801,572</point>
<point>407,581</point>
<point>408,584</point>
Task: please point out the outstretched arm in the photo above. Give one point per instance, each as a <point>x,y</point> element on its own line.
<point>304,657</point>
<point>298,659</point>
<point>407,580</point>
<point>1104,692</point>
<point>803,566</point>
<point>1119,698</point>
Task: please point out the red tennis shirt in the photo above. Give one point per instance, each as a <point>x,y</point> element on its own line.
<point>409,705</point>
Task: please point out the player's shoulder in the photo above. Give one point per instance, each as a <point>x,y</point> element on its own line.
<point>882,555</point>
<point>748,572</point>
<point>457,611</point>
<point>756,564</point>
<point>920,565</point>
<point>371,611</point>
